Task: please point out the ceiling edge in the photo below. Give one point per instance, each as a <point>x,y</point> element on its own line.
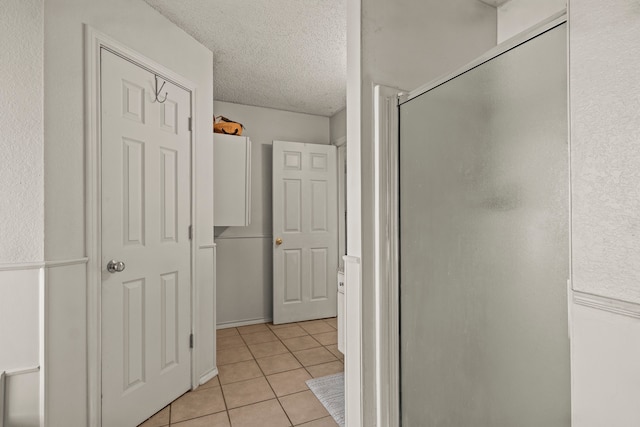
<point>494,3</point>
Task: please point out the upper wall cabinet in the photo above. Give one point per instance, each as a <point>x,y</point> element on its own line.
<point>232,175</point>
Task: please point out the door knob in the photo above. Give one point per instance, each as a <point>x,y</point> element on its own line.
<point>278,241</point>
<point>115,266</point>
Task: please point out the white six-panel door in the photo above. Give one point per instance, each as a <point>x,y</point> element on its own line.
<point>146,311</point>
<point>305,231</point>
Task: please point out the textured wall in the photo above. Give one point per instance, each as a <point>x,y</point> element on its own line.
<point>516,16</point>
<point>21,135</point>
<point>246,293</point>
<point>605,155</point>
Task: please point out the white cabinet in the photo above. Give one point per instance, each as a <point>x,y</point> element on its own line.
<point>232,180</point>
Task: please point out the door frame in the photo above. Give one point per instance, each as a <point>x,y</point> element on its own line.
<point>341,157</point>
<point>94,42</point>
<point>386,129</point>
<point>386,139</point>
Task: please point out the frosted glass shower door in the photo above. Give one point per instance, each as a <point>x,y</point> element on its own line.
<point>484,244</point>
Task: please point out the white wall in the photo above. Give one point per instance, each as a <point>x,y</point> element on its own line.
<point>516,16</point>
<point>20,343</point>
<point>605,370</point>
<point>21,405</point>
<point>605,164</point>
<point>404,44</point>
<point>19,319</point>
<point>338,125</point>
<point>244,271</point>
<point>135,24</point>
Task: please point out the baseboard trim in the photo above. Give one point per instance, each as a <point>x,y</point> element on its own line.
<point>238,323</point>
<point>208,376</point>
<point>598,302</point>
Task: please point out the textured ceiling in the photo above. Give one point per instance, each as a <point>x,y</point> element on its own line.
<point>284,54</point>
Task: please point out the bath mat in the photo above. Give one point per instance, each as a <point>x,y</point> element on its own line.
<point>330,392</point>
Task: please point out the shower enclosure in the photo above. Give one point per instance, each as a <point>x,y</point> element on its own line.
<point>484,243</point>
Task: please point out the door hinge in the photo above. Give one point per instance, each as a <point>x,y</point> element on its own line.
<point>190,232</point>
<point>191,341</point>
<point>190,124</point>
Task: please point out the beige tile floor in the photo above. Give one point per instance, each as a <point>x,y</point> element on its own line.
<point>261,382</point>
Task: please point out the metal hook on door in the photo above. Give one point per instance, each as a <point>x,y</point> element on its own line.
<point>158,91</point>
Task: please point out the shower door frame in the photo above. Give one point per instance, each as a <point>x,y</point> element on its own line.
<point>387,101</point>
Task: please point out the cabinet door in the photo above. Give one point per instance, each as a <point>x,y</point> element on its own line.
<point>232,180</point>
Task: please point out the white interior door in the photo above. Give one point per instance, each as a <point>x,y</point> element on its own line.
<point>305,231</point>
<point>146,309</point>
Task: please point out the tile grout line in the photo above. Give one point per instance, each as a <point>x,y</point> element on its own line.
<point>249,379</point>
<point>198,390</point>
<point>264,375</point>
<point>289,351</point>
<point>325,347</point>
<point>305,367</point>
<point>224,399</point>
<point>302,364</point>
<point>304,391</point>
<point>194,418</point>
<point>296,357</point>
<point>267,380</point>
<point>246,344</point>
<point>321,346</point>
<point>254,359</point>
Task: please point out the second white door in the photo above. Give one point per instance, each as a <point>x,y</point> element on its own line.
<point>305,231</point>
